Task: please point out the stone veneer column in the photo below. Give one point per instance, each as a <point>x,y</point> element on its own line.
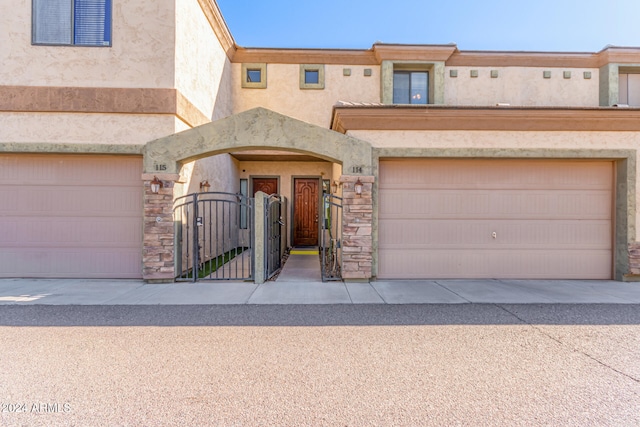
<point>158,246</point>
<point>634,262</point>
<point>357,243</point>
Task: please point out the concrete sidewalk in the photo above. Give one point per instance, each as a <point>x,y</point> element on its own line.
<point>300,282</point>
<point>136,292</point>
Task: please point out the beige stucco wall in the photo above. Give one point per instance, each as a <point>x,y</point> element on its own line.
<point>221,171</point>
<point>286,171</point>
<point>514,85</point>
<point>141,54</point>
<point>180,125</point>
<point>74,128</point>
<point>577,142</point>
<point>283,93</point>
<point>522,86</point>
<point>203,71</point>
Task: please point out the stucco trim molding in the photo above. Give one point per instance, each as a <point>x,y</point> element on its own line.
<point>51,148</point>
<point>219,26</point>
<point>398,52</point>
<point>305,56</point>
<point>51,99</point>
<point>258,128</point>
<point>395,117</point>
<point>449,54</point>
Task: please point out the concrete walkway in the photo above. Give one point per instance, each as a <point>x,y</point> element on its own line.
<point>300,283</point>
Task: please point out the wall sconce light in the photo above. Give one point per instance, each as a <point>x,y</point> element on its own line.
<point>205,186</point>
<point>156,185</point>
<point>334,187</point>
<point>358,187</point>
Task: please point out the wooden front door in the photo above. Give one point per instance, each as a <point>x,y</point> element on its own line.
<point>266,185</point>
<point>305,208</point>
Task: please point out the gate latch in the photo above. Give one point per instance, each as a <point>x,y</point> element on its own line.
<point>199,221</point>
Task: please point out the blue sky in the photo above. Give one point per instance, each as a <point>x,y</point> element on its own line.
<point>529,25</point>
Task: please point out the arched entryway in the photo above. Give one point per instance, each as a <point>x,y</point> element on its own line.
<point>258,131</point>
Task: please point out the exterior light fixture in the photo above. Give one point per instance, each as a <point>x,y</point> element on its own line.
<point>205,186</point>
<point>156,185</point>
<point>334,187</point>
<point>358,187</point>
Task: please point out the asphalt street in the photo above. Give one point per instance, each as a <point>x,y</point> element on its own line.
<point>333,365</point>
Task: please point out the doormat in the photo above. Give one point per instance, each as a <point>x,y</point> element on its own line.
<point>313,251</point>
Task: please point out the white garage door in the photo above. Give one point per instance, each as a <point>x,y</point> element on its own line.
<point>495,219</point>
<point>70,216</point>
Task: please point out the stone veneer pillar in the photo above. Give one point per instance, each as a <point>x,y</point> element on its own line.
<point>357,243</point>
<point>634,262</point>
<point>158,245</point>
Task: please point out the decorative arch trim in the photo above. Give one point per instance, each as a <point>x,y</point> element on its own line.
<point>258,128</point>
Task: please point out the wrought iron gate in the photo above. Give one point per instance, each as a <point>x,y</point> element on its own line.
<point>331,238</point>
<point>274,236</point>
<point>213,237</point>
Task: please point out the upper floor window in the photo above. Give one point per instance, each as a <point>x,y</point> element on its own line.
<point>254,76</point>
<point>410,87</point>
<point>311,76</point>
<point>412,82</point>
<point>629,89</point>
<point>72,22</point>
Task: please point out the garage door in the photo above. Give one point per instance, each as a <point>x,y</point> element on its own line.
<point>495,219</point>
<point>70,216</point>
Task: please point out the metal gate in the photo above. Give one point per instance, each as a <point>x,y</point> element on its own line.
<point>331,238</point>
<point>213,237</point>
<point>274,236</point>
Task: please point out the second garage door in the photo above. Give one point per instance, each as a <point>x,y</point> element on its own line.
<point>495,219</point>
<point>70,216</point>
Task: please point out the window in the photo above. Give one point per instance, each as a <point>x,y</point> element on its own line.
<point>411,87</point>
<point>254,76</point>
<point>311,76</point>
<point>412,82</point>
<point>629,89</point>
<point>72,22</point>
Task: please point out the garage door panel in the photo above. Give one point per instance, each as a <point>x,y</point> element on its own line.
<point>71,216</point>
<point>442,263</point>
<point>470,204</point>
<point>26,262</point>
<point>478,234</point>
<point>54,170</point>
<point>64,232</point>
<point>506,264</point>
<point>72,200</point>
<point>552,219</point>
<point>487,174</point>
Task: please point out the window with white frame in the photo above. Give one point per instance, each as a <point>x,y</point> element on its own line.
<point>71,22</point>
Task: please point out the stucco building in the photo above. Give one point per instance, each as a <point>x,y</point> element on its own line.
<point>467,163</point>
